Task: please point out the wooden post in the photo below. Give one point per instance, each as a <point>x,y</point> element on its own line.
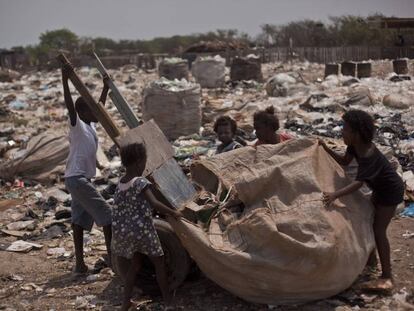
<point>97,109</point>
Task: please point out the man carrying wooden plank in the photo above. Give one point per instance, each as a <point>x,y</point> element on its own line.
<point>88,206</point>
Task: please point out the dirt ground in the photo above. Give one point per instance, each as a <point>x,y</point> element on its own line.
<point>35,281</point>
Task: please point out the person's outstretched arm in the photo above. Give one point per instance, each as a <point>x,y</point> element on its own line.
<point>343,160</point>
<point>329,197</point>
<point>66,69</point>
<point>159,206</point>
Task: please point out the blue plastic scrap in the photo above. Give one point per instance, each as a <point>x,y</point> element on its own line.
<point>408,211</point>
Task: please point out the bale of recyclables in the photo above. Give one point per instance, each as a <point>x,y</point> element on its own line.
<point>348,69</point>
<point>246,68</point>
<point>174,106</point>
<point>364,69</point>
<point>400,66</point>
<point>173,68</point>
<point>284,241</point>
<point>209,71</point>
<point>331,69</point>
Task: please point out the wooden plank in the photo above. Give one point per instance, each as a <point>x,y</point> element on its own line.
<point>173,184</point>
<point>97,109</point>
<point>159,150</point>
<point>119,101</point>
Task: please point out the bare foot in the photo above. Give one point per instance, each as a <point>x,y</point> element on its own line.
<point>80,268</point>
<point>380,285</point>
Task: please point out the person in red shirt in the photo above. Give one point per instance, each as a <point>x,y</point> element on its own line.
<point>266,125</point>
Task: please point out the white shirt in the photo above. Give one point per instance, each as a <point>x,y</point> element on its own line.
<point>82,150</point>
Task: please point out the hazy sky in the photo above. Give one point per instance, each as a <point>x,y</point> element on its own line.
<point>21,21</point>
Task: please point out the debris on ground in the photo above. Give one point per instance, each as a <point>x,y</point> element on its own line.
<point>35,226</point>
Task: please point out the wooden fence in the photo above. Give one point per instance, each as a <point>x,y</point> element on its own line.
<point>268,55</point>
<point>317,54</point>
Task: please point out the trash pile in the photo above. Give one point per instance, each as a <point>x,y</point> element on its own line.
<point>34,205</point>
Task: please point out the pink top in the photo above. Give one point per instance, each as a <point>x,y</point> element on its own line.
<point>282,137</point>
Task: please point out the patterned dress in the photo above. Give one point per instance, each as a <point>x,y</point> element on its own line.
<point>132,226</point>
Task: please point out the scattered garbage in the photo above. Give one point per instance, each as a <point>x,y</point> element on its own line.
<point>21,225</point>
<point>18,105</point>
<point>401,302</point>
<point>408,211</point>
<point>31,286</point>
<point>63,213</point>
<point>57,251</point>
<point>59,195</point>
<point>85,302</point>
<point>52,232</point>
<point>23,246</point>
<point>408,235</point>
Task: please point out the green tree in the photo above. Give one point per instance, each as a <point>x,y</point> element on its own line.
<point>59,39</point>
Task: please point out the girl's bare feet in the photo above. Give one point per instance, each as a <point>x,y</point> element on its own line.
<point>381,285</point>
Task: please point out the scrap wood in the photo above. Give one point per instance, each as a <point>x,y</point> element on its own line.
<point>159,150</point>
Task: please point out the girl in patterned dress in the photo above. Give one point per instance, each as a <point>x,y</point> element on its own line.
<point>134,234</point>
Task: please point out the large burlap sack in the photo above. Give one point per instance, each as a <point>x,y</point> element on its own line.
<point>209,72</point>
<point>359,96</point>
<point>174,106</point>
<point>173,68</point>
<point>286,247</point>
<point>44,157</point>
